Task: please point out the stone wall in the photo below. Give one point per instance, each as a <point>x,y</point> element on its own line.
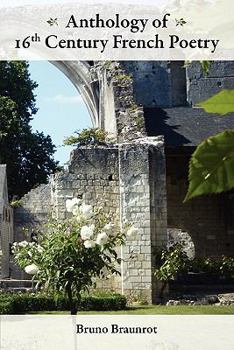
<point>143,202</point>
<point>6,225</point>
<point>29,217</point>
<point>201,86</point>
<point>208,219</point>
<point>127,180</point>
<point>93,175</point>
<point>121,116</point>
<point>158,206</point>
<point>6,235</point>
<point>158,83</point>
<point>33,212</point>
<point>119,179</point>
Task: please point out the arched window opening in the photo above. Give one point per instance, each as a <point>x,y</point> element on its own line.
<point>61,108</point>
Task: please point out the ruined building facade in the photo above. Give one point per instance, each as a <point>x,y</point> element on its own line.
<point>150,108</point>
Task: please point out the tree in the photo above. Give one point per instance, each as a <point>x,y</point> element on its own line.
<point>73,252</point>
<point>28,155</point>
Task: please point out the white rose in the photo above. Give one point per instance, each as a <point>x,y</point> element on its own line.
<point>72,204</point>
<point>40,249</point>
<point>75,211</point>
<point>86,232</point>
<point>23,244</point>
<point>31,269</point>
<point>132,231</point>
<point>89,243</point>
<point>86,211</point>
<point>109,228</point>
<point>102,238</point>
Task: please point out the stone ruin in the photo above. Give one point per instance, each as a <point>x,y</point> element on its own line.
<point>149,109</point>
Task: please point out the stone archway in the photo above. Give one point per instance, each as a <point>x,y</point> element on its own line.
<point>97,93</point>
<point>78,72</point>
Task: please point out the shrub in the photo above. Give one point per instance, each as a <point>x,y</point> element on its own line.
<point>103,303</point>
<point>226,267</point>
<point>203,264</point>
<point>27,302</point>
<point>72,253</point>
<point>173,260</point>
<point>91,136</point>
<point>169,262</point>
<point>223,266</point>
<point>6,307</point>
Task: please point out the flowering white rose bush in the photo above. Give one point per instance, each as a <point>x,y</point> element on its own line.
<point>72,252</point>
<point>31,269</point>
<point>25,253</point>
<point>72,205</point>
<point>86,211</point>
<point>86,232</point>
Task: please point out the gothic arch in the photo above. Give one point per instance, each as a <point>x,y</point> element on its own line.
<point>97,95</point>
<point>78,72</point>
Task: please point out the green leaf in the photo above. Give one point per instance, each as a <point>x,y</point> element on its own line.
<point>221,103</point>
<point>211,167</point>
<point>205,66</point>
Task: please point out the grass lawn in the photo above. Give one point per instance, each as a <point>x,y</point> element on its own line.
<point>157,310</point>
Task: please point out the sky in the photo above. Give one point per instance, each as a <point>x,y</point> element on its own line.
<point>61,107</point>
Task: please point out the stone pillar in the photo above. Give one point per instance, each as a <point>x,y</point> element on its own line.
<point>158,206</point>
<point>142,202</point>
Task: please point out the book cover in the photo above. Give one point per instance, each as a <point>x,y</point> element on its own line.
<point>116,175</point>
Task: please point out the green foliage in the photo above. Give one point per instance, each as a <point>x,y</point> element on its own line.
<point>132,108</point>
<point>222,266</point>
<point>6,307</point>
<point>11,303</point>
<point>27,252</point>
<point>139,121</point>
<point>121,79</point>
<point>28,155</point>
<point>16,85</point>
<point>211,166</point>
<point>221,103</point>
<point>205,66</point>
<point>206,265</point>
<point>91,136</point>
<point>173,260</point>
<point>73,252</point>
<point>16,203</point>
<point>226,266</point>
<point>106,302</point>
<point>169,262</point>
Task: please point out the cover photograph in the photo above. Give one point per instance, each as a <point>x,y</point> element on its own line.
<point>117,175</point>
